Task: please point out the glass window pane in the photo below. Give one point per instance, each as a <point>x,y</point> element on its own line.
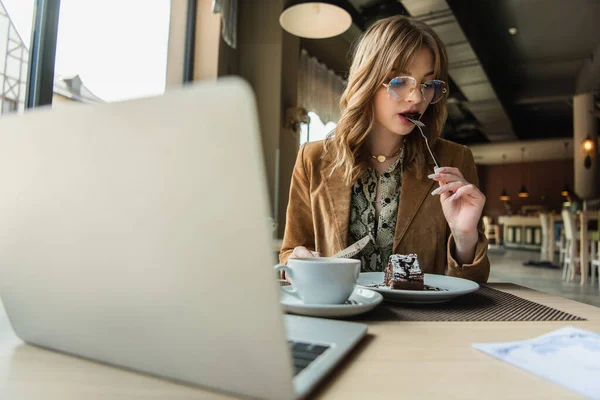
<point>111,50</point>
<point>316,130</point>
<point>16,19</point>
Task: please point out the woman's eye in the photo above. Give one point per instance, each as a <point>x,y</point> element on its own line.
<point>398,82</point>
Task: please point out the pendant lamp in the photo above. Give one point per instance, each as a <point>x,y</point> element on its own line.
<point>315,19</point>
<point>523,193</point>
<point>504,195</point>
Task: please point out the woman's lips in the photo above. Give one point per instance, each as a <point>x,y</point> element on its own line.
<point>412,115</point>
<point>404,120</point>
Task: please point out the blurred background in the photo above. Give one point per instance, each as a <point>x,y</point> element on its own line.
<point>524,92</point>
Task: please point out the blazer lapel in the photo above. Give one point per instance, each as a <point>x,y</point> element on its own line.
<point>413,194</point>
<point>338,201</point>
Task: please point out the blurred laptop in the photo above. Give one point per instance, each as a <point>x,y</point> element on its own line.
<point>137,234</point>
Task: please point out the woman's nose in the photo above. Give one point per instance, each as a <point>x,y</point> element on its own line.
<point>414,97</point>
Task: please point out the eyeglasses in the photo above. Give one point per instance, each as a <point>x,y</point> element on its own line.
<point>401,87</point>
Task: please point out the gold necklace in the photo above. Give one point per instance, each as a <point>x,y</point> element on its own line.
<point>381,158</point>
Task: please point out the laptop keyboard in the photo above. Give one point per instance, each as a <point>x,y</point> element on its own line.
<point>305,353</point>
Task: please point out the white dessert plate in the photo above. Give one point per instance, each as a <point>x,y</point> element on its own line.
<point>360,301</point>
<point>442,288</point>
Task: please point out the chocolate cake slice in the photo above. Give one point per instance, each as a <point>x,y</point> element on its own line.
<point>403,272</point>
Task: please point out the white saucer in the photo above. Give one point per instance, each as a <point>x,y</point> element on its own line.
<point>360,301</point>
<point>452,287</point>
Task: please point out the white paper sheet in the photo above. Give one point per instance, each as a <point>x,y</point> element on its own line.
<point>568,356</point>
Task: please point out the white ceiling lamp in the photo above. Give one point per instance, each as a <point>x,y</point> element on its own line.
<point>315,19</point>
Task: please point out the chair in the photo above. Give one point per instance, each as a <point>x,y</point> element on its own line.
<point>561,245</point>
<point>492,231</point>
<point>571,256</point>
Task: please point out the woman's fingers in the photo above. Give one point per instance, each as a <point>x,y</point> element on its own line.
<point>300,252</point>
<point>303,252</point>
<point>468,191</point>
<point>445,178</point>
<point>449,170</point>
<point>449,188</point>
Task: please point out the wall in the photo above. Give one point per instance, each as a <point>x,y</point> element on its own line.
<point>260,57</point>
<point>268,58</point>
<point>289,142</point>
<point>585,125</point>
<point>176,48</point>
<point>543,178</point>
<point>207,42</point>
<point>229,63</point>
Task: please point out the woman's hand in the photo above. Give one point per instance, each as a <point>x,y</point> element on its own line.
<point>299,252</point>
<point>462,203</point>
<point>303,252</point>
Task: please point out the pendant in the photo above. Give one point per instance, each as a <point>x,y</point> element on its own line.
<point>381,159</point>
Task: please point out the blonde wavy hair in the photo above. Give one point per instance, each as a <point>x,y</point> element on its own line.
<point>388,44</point>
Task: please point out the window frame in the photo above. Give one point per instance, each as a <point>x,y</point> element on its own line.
<point>42,55</point>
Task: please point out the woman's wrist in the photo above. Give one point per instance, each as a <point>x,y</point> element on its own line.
<point>465,244</point>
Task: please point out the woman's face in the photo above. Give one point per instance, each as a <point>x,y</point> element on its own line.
<point>388,112</point>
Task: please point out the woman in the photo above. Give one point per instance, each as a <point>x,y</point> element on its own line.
<point>374,175</point>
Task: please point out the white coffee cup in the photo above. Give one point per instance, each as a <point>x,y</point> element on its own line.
<point>322,280</point>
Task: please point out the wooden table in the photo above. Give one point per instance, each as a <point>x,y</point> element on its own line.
<point>520,226</point>
<point>412,360</point>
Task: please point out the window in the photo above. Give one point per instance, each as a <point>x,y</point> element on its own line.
<point>315,130</point>
<point>16,18</point>
<point>111,50</point>
<point>9,105</point>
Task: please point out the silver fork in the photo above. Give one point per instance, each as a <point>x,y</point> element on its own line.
<point>422,126</point>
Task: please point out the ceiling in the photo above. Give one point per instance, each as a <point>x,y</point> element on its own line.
<point>503,87</point>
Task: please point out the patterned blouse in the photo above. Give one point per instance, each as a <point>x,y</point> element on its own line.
<point>362,215</point>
